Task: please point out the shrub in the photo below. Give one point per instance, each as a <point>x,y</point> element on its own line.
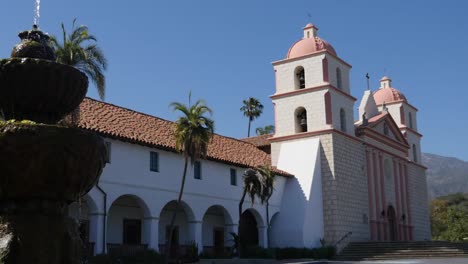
<point>298,253</point>
<point>257,252</point>
<point>142,257</point>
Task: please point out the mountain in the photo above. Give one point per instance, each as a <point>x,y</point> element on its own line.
<point>445,175</point>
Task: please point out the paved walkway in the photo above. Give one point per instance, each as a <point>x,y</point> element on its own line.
<point>400,261</point>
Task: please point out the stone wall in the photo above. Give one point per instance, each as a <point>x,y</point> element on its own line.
<point>345,195</point>
<point>419,202</point>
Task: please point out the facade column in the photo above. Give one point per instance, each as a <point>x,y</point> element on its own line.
<point>382,191</point>
<point>410,226</point>
<point>377,195</point>
<point>96,232</point>
<point>151,235</point>
<point>196,233</point>
<point>262,236</point>
<point>397,197</point>
<point>370,190</point>
<point>403,201</point>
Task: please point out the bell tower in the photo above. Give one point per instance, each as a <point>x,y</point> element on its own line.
<point>312,89</point>
<point>312,103</point>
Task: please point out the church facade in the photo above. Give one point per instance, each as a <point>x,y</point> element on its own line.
<point>339,179</point>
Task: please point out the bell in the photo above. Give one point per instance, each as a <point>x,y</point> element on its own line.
<point>303,121</point>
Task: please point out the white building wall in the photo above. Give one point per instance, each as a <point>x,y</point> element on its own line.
<point>334,63</point>
<point>313,102</point>
<point>285,73</point>
<point>341,102</point>
<point>129,173</point>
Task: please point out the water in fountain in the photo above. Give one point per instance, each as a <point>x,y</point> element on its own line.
<point>37,12</point>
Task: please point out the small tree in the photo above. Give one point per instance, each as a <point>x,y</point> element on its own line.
<point>79,49</point>
<point>252,109</point>
<point>270,129</point>
<point>253,187</point>
<point>193,132</point>
<point>268,181</point>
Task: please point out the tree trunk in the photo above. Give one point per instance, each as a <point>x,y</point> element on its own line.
<point>239,225</point>
<point>248,130</point>
<point>174,215</point>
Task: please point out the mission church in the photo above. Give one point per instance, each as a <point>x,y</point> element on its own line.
<point>338,179</point>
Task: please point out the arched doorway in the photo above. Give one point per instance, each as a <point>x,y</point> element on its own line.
<point>217,224</point>
<point>248,229</point>
<point>392,223</point>
<point>126,233</point>
<point>182,236</point>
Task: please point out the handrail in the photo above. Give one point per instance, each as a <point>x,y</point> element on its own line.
<point>343,238</point>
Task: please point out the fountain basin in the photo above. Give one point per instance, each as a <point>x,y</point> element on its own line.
<point>48,162</point>
<point>39,90</point>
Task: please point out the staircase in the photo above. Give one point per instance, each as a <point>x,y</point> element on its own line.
<point>399,250</point>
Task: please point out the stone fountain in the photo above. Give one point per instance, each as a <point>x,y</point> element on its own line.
<point>44,166</point>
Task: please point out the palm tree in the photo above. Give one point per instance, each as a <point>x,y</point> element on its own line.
<point>268,181</point>
<point>193,133</point>
<point>79,50</point>
<point>252,109</point>
<point>253,187</point>
<point>270,129</point>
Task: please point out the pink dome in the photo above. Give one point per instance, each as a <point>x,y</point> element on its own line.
<point>308,46</point>
<point>388,95</point>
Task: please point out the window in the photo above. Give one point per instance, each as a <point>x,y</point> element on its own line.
<point>197,170</point>
<point>342,120</point>
<point>108,154</point>
<point>154,161</point>
<point>233,177</point>
<point>338,79</point>
<point>301,120</point>
<point>131,231</point>
<point>415,153</point>
<point>300,78</point>
<point>385,129</point>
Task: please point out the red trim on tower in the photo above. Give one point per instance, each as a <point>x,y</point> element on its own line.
<point>325,69</point>
<point>312,89</point>
<point>328,108</point>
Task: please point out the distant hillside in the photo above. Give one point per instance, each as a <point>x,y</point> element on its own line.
<point>445,175</point>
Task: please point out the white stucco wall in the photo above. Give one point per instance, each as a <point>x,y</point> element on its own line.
<point>129,173</point>
<point>300,221</point>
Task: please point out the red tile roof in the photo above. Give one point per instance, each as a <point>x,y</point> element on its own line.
<point>259,141</point>
<point>128,125</point>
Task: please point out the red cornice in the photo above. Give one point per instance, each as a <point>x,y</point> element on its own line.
<point>312,89</point>
<point>411,130</point>
<point>404,157</point>
<point>384,139</point>
<point>401,101</point>
<point>418,165</point>
<point>310,134</point>
<point>311,55</point>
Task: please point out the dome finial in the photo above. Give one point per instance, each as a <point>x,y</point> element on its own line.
<point>310,31</point>
<point>385,82</point>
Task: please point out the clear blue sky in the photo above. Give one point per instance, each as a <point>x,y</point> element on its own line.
<point>222,51</point>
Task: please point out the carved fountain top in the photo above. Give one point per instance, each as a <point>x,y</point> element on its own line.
<point>34,44</point>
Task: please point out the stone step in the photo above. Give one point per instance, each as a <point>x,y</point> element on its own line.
<point>400,250</point>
